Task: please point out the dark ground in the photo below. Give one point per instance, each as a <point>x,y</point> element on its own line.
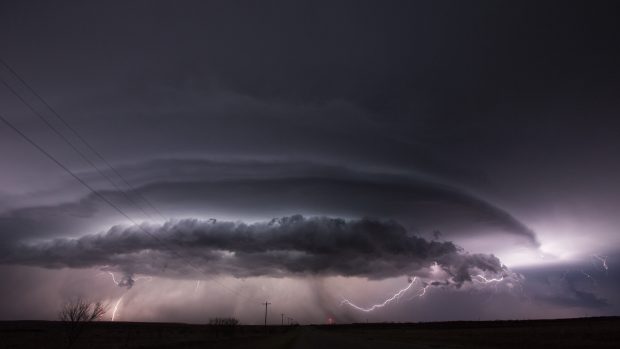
<point>571,333</point>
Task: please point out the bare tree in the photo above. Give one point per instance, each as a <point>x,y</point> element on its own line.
<point>224,325</point>
<point>75,314</point>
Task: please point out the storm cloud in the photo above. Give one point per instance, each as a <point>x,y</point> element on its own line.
<point>492,123</point>
<point>286,246</point>
<point>263,189</point>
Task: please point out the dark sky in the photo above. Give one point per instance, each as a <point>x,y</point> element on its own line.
<point>380,123</point>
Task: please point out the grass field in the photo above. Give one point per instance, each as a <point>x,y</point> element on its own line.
<point>570,333</point>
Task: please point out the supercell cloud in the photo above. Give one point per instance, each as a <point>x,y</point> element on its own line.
<point>258,188</point>
<point>287,246</point>
<point>306,152</point>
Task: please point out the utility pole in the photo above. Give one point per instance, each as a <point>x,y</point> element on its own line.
<point>282,319</point>
<point>266,304</point>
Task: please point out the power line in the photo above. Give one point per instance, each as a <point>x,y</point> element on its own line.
<point>82,139</point>
<point>57,162</point>
<point>86,143</point>
<point>98,194</point>
<point>68,142</point>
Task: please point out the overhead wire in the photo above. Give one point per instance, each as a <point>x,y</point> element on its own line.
<point>79,137</point>
<point>97,193</point>
<point>70,144</point>
<point>79,179</point>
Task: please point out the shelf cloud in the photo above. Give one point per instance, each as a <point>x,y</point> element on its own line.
<point>286,246</point>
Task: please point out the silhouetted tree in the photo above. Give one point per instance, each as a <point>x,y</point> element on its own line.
<point>225,325</point>
<point>75,314</point>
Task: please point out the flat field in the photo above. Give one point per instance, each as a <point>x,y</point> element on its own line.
<point>569,333</point>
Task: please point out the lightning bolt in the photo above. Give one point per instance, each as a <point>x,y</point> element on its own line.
<point>384,303</point>
<point>127,281</point>
<point>480,278</point>
<point>488,281</point>
<point>589,277</point>
<point>197,285</point>
<point>421,292</point>
<point>603,260</point>
<point>484,280</point>
<point>113,278</point>
<point>116,307</point>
